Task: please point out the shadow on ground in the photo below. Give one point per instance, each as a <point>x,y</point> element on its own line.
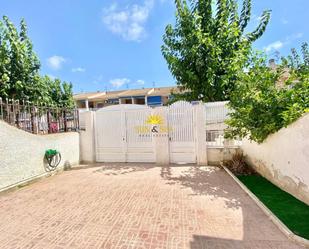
<point>213,183</point>
<point>205,242</point>
<point>202,181</point>
<point>123,168</point>
<point>207,181</point>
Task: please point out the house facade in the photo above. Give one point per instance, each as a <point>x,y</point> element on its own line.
<point>146,96</point>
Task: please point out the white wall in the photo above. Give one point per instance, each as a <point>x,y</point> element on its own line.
<point>87,139</point>
<point>216,155</point>
<point>22,153</point>
<point>284,158</point>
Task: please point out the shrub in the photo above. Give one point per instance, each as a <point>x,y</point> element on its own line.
<point>238,164</point>
<point>261,106</point>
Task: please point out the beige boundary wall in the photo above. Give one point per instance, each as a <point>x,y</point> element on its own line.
<point>216,155</point>
<point>284,158</point>
<point>22,153</point>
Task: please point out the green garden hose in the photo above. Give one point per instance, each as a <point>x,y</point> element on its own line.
<point>53,158</point>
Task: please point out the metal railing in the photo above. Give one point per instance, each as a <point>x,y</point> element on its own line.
<point>216,112</point>
<point>38,119</point>
<point>82,120</point>
<point>216,139</point>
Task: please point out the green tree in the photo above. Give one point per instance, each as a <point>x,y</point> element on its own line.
<point>261,106</point>
<point>208,47</point>
<point>67,95</point>
<point>19,70</point>
<point>298,64</point>
<point>4,63</point>
<point>59,94</point>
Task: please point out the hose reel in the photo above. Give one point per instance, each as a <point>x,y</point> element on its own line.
<point>53,158</point>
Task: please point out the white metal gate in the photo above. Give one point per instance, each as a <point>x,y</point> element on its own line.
<point>181,132</point>
<point>123,133</point>
<point>139,141</point>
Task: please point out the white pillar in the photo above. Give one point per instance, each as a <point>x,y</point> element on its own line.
<point>161,139</point>
<point>87,104</point>
<point>200,134</point>
<point>87,138</point>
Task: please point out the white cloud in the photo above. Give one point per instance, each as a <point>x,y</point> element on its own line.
<point>295,36</point>
<point>52,76</point>
<point>274,46</point>
<point>78,70</point>
<point>129,22</point>
<point>56,62</point>
<point>98,79</point>
<point>117,83</point>
<point>284,21</point>
<point>140,82</point>
<point>280,44</point>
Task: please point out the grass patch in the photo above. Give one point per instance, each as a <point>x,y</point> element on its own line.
<point>292,212</point>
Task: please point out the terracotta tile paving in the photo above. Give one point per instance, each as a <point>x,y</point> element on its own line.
<point>135,206</point>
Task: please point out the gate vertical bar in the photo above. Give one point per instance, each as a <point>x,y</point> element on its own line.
<point>124,134</point>
<point>200,134</point>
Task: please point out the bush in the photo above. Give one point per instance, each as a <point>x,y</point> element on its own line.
<point>238,165</point>
<point>261,106</point>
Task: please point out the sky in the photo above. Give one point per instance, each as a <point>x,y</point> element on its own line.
<point>103,45</point>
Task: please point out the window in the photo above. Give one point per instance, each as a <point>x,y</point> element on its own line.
<point>128,101</point>
<point>112,101</point>
<point>154,100</point>
<point>140,101</point>
<point>81,104</point>
<point>100,105</point>
<point>91,105</point>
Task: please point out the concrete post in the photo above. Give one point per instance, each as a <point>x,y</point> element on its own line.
<point>87,138</point>
<point>87,104</point>
<point>200,134</point>
<point>227,151</point>
<point>161,139</point>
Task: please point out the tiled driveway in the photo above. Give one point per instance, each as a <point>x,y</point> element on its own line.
<point>139,206</point>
